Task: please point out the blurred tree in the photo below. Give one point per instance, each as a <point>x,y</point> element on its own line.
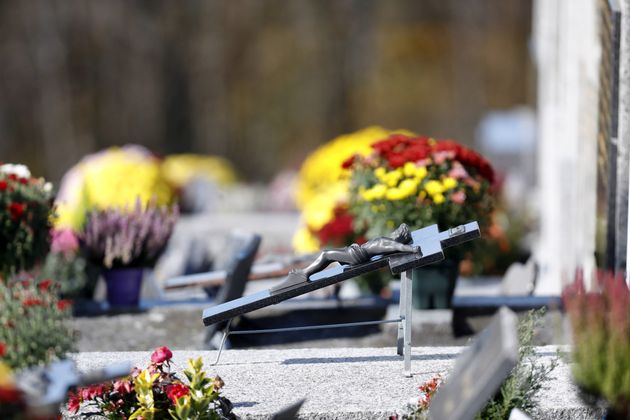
<point>260,82</point>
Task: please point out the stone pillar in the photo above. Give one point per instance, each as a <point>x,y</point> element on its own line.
<point>567,51</point>
<point>624,106</point>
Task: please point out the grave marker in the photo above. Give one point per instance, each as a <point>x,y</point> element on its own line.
<point>479,371</point>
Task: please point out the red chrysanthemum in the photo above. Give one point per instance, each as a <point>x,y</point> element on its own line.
<point>3,185</point>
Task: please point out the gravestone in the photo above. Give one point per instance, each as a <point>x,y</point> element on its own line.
<point>479,371</point>
<point>237,275</point>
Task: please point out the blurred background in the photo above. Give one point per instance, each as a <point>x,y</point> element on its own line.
<point>259,82</point>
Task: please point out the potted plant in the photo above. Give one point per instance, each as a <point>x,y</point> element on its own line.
<point>420,181</point>
<point>600,324</point>
<point>25,219</point>
<point>124,242</point>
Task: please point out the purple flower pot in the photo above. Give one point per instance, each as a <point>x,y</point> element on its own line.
<point>123,286</point>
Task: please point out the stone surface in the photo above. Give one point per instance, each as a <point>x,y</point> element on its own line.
<point>341,383</point>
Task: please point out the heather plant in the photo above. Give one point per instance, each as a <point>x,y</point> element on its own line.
<point>157,393</point>
<point>600,321</point>
<point>33,323</point>
<point>25,219</point>
<point>117,237</point>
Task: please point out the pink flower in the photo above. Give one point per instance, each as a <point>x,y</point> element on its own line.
<point>63,241</point>
<point>123,387</point>
<point>91,392</point>
<point>443,156</point>
<point>161,354</point>
<point>458,197</point>
<point>458,171</point>
<point>176,391</point>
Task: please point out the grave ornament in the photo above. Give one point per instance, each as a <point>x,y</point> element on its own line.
<point>402,251</point>
<point>397,241</point>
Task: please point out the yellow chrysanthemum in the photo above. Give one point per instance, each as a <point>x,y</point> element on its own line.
<point>409,169</point>
<point>377,192</point>
<point>409,185</point>
<point>380,173</point>
<point>438,198</point>
<point>304,241</point>
<point>323,183</point>
<point>392,177</point>
<point>116,177</point>
<point>434,187</point>
<point>396,193</point>
<point>178,170</point>
<point>323,167</point>
<point>421,172</point>
<point>449,183</point>
<point>120,176</point>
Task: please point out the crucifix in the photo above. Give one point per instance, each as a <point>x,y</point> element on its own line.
<point>402,251</point>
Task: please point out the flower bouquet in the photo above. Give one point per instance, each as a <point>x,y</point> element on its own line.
<point>25,219</point>
<point>157,393</point>
<point>600,321</point>
<point>124,242</point>
<point>420,181</point>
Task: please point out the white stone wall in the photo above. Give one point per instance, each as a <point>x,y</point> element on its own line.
<point>567,53</point>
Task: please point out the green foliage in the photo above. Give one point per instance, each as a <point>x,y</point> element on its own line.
<point>25,220</point>
<point>527,377</point>
<point>144,394</point>
<point>33,324</point>
<point>203,394</point>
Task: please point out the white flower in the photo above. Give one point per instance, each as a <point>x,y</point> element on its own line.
<point>20,171</point>
<point>47,187</point>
